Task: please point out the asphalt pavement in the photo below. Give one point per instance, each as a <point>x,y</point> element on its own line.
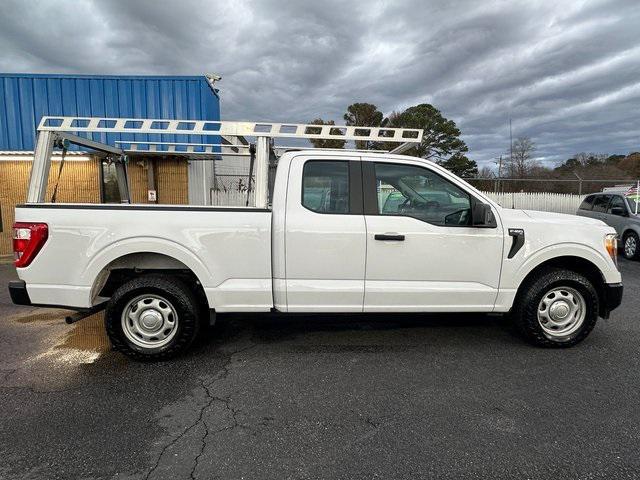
<point>347,397</point>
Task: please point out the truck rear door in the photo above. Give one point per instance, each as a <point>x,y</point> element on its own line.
<point>325,235</point>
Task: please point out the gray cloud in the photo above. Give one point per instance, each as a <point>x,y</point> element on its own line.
<point>567,72</point>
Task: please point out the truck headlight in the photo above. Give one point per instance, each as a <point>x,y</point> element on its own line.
<point>611,245</point>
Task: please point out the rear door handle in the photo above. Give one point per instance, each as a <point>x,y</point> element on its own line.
<point>389,238</point>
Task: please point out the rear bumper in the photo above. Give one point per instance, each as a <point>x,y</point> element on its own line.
<point>612,298</point>
<point>18,292</point>
<point>20,296</point>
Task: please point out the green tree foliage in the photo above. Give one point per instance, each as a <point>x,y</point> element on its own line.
<point>461,166</point>
<point>323,143</point>
<point>441,138</point>
<point>363,115</point>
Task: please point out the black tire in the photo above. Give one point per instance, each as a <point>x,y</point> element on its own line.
<point>635,254</point>
<point>530,295</point>
<point>177,295</point>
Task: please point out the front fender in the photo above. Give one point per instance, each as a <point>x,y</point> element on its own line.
<point>601,260</point>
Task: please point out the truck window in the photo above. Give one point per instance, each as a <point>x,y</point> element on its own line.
<point>587,203</point>
<point>413,191</point>
<point>600,203</point>
<point>325,186</point>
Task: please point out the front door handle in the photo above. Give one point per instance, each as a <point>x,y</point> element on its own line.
<point>388,237</point>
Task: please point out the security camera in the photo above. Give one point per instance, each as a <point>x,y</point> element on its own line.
<point>213,77</point>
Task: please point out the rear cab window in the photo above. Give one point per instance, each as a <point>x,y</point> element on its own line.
<point>325,186</point>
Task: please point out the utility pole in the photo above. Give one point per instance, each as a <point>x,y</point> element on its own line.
<point>510,141</point>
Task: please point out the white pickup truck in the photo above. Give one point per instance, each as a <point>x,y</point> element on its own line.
<point>346,232</point>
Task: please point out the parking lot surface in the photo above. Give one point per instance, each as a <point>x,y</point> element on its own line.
<point>350,397</point>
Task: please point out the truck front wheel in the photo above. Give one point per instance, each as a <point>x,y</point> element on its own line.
<point>556,308</point>
<point>152,317</point>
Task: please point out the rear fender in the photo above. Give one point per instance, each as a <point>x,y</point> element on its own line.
<point>100,261</point>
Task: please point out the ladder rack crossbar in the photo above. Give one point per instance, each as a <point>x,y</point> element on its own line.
<point>177,148</point>
<point>226,145</point>
<point>210,127</point>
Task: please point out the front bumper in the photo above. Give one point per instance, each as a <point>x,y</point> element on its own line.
<point>612,298</point>
<point>18,292</point>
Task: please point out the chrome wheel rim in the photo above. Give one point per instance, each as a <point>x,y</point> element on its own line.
<point>630,245</point>
<point>561,312</point>
<point>149,321</point>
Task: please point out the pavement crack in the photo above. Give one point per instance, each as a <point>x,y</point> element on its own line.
<point>223,374</point>
<point>225,401</point>
<point>206,428</point>
<point>372,422</point>
<point>7,373</point>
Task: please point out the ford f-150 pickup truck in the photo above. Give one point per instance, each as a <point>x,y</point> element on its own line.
<point>346,232</point>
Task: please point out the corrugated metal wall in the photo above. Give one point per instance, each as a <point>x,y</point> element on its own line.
<point>24,99</point>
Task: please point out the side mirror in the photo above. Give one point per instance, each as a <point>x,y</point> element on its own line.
<point>619,211</point>
<point>482,215</point>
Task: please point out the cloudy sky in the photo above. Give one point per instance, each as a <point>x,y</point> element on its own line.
<point>566,71</point>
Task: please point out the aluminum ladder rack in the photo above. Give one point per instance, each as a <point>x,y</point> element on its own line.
<point>233,135</point>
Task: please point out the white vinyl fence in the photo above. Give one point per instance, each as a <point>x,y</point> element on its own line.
<point>546,202</point>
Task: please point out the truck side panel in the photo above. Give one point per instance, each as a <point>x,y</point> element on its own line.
<point>229,250</point>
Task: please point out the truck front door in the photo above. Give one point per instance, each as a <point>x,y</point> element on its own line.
<point>325,239</point>
<point>422,252</point>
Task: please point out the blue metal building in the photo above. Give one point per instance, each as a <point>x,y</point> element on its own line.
<point>25,98</point>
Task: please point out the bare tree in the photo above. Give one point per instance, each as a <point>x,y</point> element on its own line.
<point>587,159</point>
<point>486,172</point>
<point>520,164</point>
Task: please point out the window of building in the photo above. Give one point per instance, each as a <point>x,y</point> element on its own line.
<point>325,186</point>
<point>109,183</point>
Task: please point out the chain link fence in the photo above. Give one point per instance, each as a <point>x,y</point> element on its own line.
<point>549,185</point>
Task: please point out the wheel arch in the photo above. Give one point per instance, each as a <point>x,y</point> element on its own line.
<point>574,263</point>
<point>630,229</point>
<point>118,267</point>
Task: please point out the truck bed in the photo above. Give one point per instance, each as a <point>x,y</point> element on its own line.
<point>227,248</point>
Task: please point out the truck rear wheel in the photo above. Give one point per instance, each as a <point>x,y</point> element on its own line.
<point>556,308</point>
<point>152,317</point>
